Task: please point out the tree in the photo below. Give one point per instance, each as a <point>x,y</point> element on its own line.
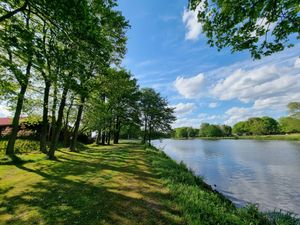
<point>17,43</point>
<point>156,115</point>
<point>210,130</point>
<point>294,109</point>
<point>181,132</point>
<point>289,125</point>
<point>226,130</point>
<point>262,27</point>
<point>240,128</point>
<point>271,126</point>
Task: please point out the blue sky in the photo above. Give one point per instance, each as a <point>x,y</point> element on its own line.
<point>166,51</point>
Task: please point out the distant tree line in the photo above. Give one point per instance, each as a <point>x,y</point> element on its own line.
<point>253,126</point>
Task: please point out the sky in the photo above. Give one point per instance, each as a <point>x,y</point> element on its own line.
<point>168,52</point>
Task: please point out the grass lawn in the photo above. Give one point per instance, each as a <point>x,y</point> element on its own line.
<point>121,184</point>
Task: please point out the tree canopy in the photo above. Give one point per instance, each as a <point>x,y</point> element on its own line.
<point>262,27</point>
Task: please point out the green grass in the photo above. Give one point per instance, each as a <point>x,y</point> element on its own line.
<point>286,137</point>
<point>21,146</point>
<point>121,184</point>
<point>201,205</point>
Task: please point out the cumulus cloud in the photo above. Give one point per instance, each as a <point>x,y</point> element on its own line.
<point>193,27</point>
<point>236,114</point>
<point>186,122</point>
<point>183,108</point>
<point>265,86</point>
<point>197,120</point>
<point>190,87</point>
<point>297,63</point>
<point>213,105</point>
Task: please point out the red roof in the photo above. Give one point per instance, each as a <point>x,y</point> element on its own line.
<point>5,121</point>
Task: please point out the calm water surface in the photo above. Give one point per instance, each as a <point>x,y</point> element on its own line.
<point>246,171</point>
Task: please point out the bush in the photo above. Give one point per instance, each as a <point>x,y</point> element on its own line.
<point>21,146</point>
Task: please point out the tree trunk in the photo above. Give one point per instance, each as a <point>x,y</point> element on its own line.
<point>145,132</point>
<point>53,112</point>
<point>77,124</point>
<point>15,124</point>
<point>149,135</point>
<point>98,137</point>
<point>108,137</point>
<point>45,123</point>
<point>103,137</point>
<point>23,83</point>
<point>117,131</point>
<point>58,124</point>
<point>66,136</point>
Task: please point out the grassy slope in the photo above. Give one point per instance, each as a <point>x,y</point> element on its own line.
<point>122,184</point>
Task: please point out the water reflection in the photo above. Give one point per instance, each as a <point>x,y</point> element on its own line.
<point>263,172</point>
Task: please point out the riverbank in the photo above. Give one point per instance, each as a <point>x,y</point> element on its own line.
<point>120,184</point>
<point>278,137</point>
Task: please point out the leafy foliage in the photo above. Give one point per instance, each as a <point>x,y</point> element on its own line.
<point>289,125</point>
<point>156,115</point>
<point>211,130</point>
<point>262,27</point>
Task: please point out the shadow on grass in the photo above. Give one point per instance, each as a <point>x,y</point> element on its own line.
<point>59,199</point>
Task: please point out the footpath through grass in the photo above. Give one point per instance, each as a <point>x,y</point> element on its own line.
<point>123,184</point>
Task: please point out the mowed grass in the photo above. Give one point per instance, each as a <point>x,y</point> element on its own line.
<point>102,185</point>
<point>121,184</point>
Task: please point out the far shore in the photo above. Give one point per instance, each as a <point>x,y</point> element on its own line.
<point>286,137</point>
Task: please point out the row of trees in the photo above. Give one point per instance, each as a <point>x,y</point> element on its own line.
<point>253,126</point>
<point>60,60</point>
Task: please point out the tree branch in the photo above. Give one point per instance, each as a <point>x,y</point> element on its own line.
<point>12,13</point>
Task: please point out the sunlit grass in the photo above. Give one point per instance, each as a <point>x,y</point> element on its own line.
<point>121,184</point>
<point>102,185</point>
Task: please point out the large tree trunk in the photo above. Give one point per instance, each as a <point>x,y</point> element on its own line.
<point>15,123</point>
<point>103,137</point>
<point>23,83</point>
<point>98,137</point>
<point>117,131</point>
<point>45,123</point>
<point>53,112</point>
<point>58,124</point>
<point>77,124</point>
<point>145,131</point>
<point>66,133</point>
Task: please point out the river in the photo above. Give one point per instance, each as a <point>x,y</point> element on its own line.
<point>266,173</point>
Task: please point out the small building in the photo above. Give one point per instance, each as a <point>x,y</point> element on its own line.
<point>5,125</point>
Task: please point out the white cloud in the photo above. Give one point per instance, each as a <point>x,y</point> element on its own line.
<point>183,108</point>
<point>236,114</point>
<point>190,87</point>
<point>213,105</point>
<point>266,86</point>
<point>196,121</point>
<point>186,122</point>
<point>297,63</point>
<point>193,27</point>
